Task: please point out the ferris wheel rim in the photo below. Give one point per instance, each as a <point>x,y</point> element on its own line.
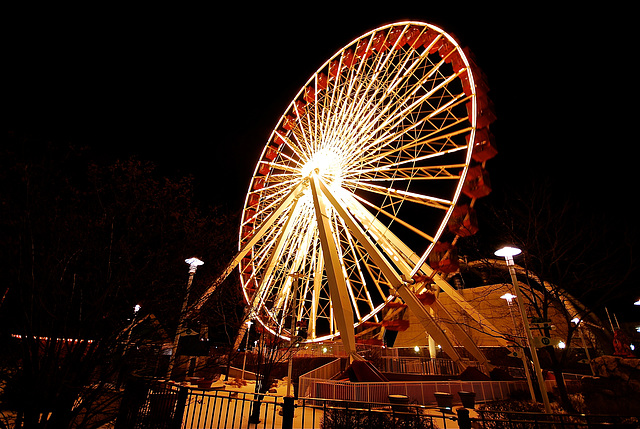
<point>292,107</point>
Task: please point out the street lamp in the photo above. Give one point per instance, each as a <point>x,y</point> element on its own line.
<point>246,347</point>
<point>194,263</point>
<point>576,321</point>
<point>508,253</point>
<point>294,310</point>
<point>525,365</point>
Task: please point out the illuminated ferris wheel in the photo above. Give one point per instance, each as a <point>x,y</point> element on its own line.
<point>358,182</point>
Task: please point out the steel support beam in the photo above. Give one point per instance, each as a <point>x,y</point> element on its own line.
<point>407,295</point>
<point>343,314</point>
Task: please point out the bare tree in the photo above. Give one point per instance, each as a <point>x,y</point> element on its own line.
<point>83,243</point>
<point>272,353</point>
<point>574,262</point>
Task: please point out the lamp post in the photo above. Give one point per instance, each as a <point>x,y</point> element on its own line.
<point>525,365</point>
<point>508,253</point>
<point>194,263</point>
<point>246,347</point>
<point>288,406</point>
<point>576,321</point>
<point>294,302</point>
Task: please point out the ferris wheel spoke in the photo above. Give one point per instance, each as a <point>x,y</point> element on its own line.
<point>272,196</point>
<point>273,254</point>
<point>387,144</point>
<point>343,98</point>
<point>317,285</point>
<point>439,172</point>
<point>374,227</point>
<point>409,92</point>
<point>393,217</point>
<point>353,269</point>
<point>426,200</point>
<point>376,276</point>
<point>295,147</point>
<point>431,145</point>
<point>286,179</point>
<point>395,119</point>
<point>295,257</point>
<point>339,230</point>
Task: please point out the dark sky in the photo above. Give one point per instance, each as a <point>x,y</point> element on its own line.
<point>199,90</point>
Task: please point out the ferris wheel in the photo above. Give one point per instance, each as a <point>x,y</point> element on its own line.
<point>358,182</point>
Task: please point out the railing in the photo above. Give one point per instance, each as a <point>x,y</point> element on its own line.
<point>417,365</point>
<point>226,409</point>
<point>320,413</point>
<point>324,372</point>
<point>150,404</point>
<point>419,392</point>
<point>155,405</point>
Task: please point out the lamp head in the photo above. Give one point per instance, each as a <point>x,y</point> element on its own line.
<point>194,263</point>
<point>508,296</point>
<point>507,251</point>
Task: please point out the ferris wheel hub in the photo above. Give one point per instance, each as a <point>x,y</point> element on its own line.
<point>325,163</point>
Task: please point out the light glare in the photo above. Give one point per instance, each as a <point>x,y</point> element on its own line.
<point>508,296</point>
<point>508,251</point>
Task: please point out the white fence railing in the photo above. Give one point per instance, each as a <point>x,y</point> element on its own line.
<point>411,365</point>
<point>324,372</point>
<point>419,392</point>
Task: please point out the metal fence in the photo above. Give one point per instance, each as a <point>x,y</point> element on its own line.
<point>420,392</point>
<point>151,404</point>
<point>413,365</point>
<point>161,405</point>
<point>323,372</point>
<point>168,406</point>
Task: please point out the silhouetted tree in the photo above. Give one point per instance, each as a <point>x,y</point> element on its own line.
<point>83,243</point>
<point>572,258</point>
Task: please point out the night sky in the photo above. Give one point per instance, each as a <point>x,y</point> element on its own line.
<point>199,90</point>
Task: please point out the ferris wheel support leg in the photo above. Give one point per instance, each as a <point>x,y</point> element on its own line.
<point>259,297</point>
<point>413,258</point>
<point>343,314</point>
<point>429,324</point>
<point>464,338</point>
<point>292,196</point>
<point>407,295</point>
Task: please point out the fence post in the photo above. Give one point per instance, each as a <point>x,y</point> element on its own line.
<point>288,408</point>
<point>464,422</point>
<point>181,404</point>
<point>134,397</point>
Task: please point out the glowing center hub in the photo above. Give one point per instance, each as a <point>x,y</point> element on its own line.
<point>327,163</point>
